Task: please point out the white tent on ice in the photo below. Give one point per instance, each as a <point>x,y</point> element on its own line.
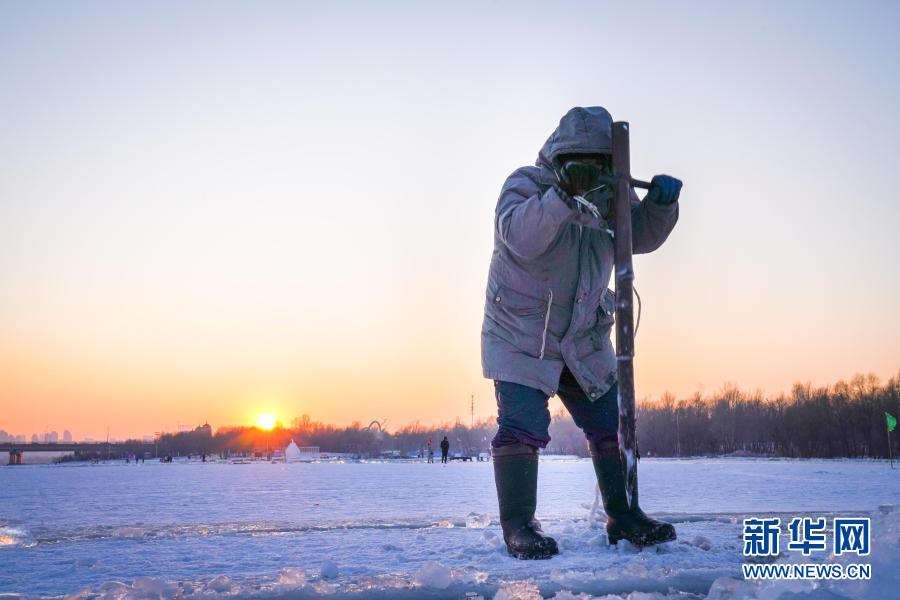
<point>295,453</point>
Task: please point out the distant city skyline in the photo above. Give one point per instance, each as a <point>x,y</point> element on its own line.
<point>48,436</point>
<point>53,436</point>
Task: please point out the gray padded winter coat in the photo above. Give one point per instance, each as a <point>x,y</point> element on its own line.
<point>547,299</point>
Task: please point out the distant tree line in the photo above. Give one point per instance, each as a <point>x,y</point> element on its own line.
<point>846,419</point>
<point>355,439</point>
<point>843,420</point>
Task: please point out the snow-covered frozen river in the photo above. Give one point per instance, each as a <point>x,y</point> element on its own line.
<point>409,530</point>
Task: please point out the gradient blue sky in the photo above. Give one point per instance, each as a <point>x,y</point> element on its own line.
<point>212,209</point>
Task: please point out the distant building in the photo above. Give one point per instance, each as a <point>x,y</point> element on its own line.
<point>20,439</point>
<point>294,453</point>
<point>205,429</point>
<point>5,437</point>
<point>35,439</point>
<point>67,436</point>
<point>51,438</point>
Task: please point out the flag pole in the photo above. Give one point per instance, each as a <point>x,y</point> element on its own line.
<point>890,424</point>
<point>887,432</point>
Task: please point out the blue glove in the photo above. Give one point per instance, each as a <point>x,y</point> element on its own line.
<point>664,190</point>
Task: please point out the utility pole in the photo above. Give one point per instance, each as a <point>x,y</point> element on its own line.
<point>472,411</point>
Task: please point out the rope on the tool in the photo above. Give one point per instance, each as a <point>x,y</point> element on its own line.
<point>638,296</point>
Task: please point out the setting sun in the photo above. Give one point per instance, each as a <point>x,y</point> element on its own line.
<point>266,422</point>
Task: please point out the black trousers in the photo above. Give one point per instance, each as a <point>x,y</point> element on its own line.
<point>523,416</point>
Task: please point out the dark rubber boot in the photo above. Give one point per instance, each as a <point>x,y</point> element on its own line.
<point>622,521</point>
<point>515,472</point>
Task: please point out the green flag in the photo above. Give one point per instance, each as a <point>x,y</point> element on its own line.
<point>891,420</point>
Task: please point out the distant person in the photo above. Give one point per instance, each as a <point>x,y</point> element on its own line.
<point>445,449</point>
<point>548,316</point>
<point>430,451</point>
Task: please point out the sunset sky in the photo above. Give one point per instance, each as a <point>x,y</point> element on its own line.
<point>210,211</point>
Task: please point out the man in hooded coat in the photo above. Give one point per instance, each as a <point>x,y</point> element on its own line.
<point>548,316</point>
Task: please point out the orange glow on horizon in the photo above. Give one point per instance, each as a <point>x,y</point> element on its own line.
<point>266,422</point>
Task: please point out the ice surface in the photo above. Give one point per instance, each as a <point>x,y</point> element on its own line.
<point>411,530</point>
<point>220,584</point>
<point>433,575</point>
<point>518,590</point>
<point>701,542</point>
<point>477,521</point>
<point>154,586</point>
<point>13,535</point>
<point>292,577</point>
<point>328,570</point>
